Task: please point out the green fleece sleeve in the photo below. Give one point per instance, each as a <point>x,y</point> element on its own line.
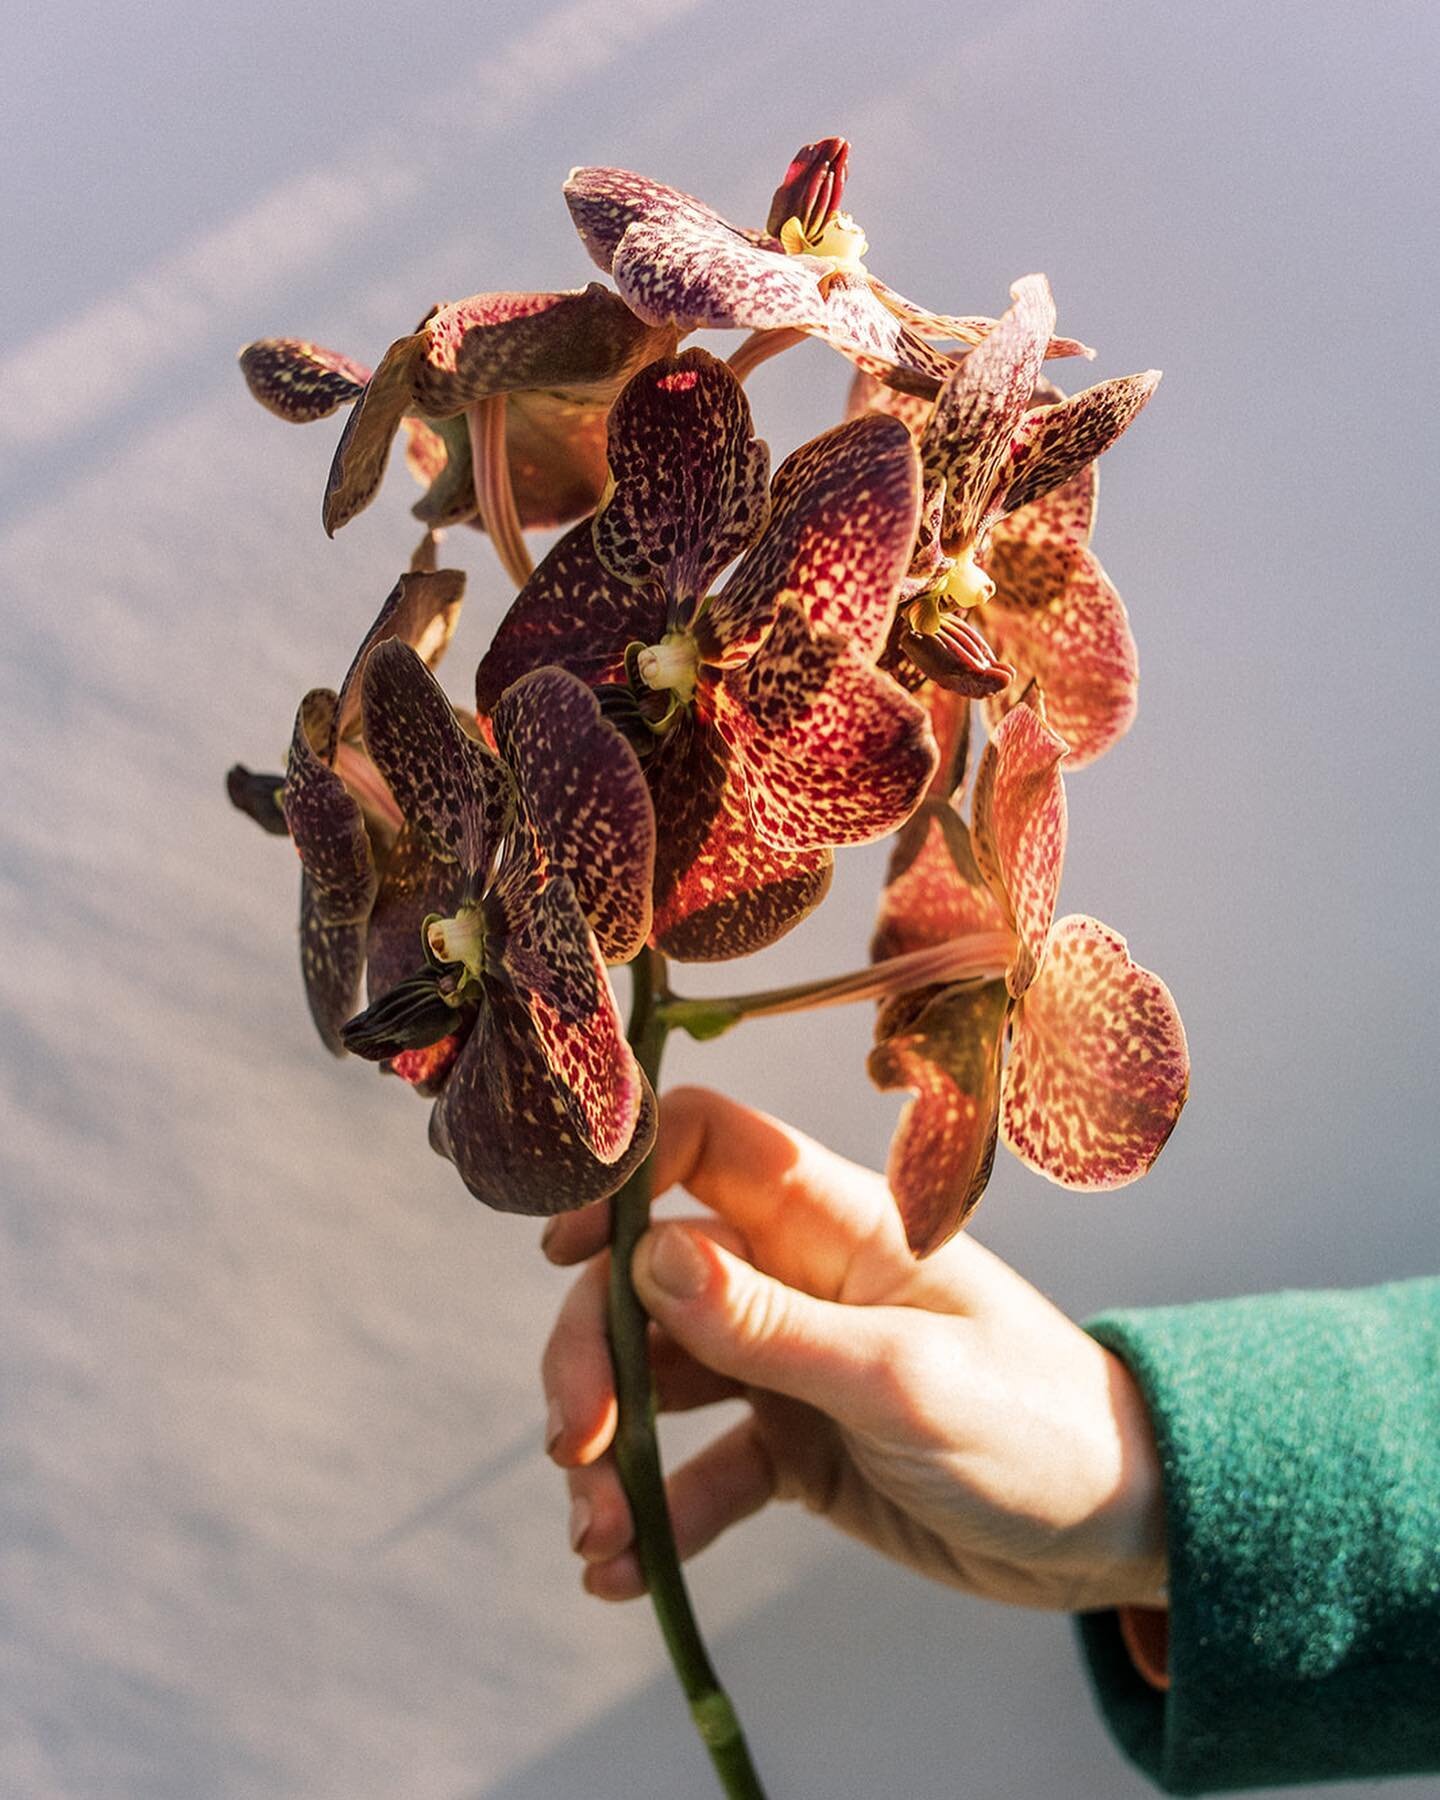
<point>1299,1437</point>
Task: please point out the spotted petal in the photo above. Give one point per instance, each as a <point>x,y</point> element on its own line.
<point>583,791</point>
<point>574,613</point>
<point>414,882</point>
<point>720,889</point>
<point>967,442</point>
<point>1056,617</point>
<point>339,881</point>
<point>934,890</point>
<point>972,329</point>
<point>690,479</point>
<point>506,1122</point>
<point>300,381</point>
<point>360,457</point>
<point>1055,442</point>
<point>832,751</point>
<point>1019,831</point>
<point>844,509</point>
<point>420,610</point>
<point>948,1052</point>
<point>442,780</point>
<point>1099,1069</point>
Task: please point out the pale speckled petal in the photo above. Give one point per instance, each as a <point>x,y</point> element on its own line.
<point>933,889</point>
<point>1019,831</point>
<point>1055,442</point>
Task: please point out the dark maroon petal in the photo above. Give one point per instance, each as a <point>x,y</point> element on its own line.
<point>832,751</point>
<point>258,797</point>
<point>720,890</point>
<point>339,881</point>
<point>442,780</point>
<point>967,442</point>
<point>364,448</point>
<point>1055,442</point>
<point>690,479</point>
<point>414,882</point>
<point>843,516</point>
<point>812,187</point>
<point>582,788</point>
<point>573,613</point>
<point>505,1121</point>
<point>300,381</point>
<point>420,610</point>
<point>944,1144</point>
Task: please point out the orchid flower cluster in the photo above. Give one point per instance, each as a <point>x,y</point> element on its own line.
<point>715,678</point>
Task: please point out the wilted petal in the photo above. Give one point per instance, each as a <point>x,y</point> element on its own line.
<point>690,479</point>
<point>1098,1069</point>
<point>1019,830</point>
<point>505,1122</point>
<point>443,781</point>
<point>833,752</point>
<point>420,610</point>
<point>574,613</point>
<point>1057,618</point>
<point>933,889</point>
<point>967,442</point>
<point>1055,442</point>
<point>364,448</point>
<point>582,789</point>
<point>300,381</point>
<point>720,890</point>
<point>944,1144</point>
<point>339,880</point>
<point>842,525</point>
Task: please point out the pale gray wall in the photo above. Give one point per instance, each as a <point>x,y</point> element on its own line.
<point>276,1519</point>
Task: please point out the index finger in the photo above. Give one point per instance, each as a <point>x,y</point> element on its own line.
<point>804,1210</point>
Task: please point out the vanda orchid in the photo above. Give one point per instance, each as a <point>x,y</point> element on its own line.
<point>713,682</point>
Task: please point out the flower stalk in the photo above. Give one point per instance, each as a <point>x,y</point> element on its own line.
<point>637,1449</point>
<point>494,494</point>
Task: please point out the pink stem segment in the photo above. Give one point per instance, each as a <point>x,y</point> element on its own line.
<point>759,347</point>
<point>494,496</point>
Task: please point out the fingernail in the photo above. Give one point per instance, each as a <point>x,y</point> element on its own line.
<point>677,1264</point>
<point>580,1517</point>
<point>554,1425</point>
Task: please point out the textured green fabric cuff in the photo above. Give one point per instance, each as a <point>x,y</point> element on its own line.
<point>1299,1436</point>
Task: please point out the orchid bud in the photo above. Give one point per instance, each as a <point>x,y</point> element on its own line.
<point>811,190</point>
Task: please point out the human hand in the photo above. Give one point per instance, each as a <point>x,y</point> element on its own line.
<point>943,1411</point>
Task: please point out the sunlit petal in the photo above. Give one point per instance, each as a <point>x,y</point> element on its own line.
<point>1055,442</point>
<point>1019,830</point>
<point>933,889</point>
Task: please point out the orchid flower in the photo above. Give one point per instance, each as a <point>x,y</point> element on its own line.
<point>338,811</point>
<point>677,263</point>
<point>766,732</point>
<point>1097,1070</point>
<point>1009,506</point>
<point>503,397</point>
<point>529,865</point>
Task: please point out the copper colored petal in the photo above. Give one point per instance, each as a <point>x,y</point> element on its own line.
<point>505,1122</point>
<point>933,889</point>
<point>442,780</point>
<point>944,1144</point>
<point>583,791</point>
<point>1099,1069</point>
<point>572,613</point>
<point>556,446</point>
<point>364,448</point>
<point>842,525</point>
<point>689,479</point>
<point>300,381</point>
<point>1019,830</point>
<point>1055,442</point>
<point>950,721</point>
<point>420,610</point>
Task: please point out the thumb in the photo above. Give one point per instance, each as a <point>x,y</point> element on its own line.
<point>741,1323</point>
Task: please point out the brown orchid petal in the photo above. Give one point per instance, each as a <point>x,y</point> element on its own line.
<point>339,881</point>
<point>832,751</point>
<point>933,890</point>
<point>427,455</point>
<point>364,448</point>
<point>553,963</point>
<point>689,479</point>
<point>1019,831</point>
<point>556,448</point>
<point>967,442</point>
<point>420,610</point>
<point>944,1145</point>
<point>300,381</point>
<point>1055,442</point>
<point>972,329</point>
<point>869,394</point>
<point>505,1121</point>
<point>1058,619</point>
<point>1099,1069</point>
<point>583,791</point>
<point>414,882</point>
<point>574,613</point>
<point>842,524</point>
<point>950,722</point>
<point>449,497</point>
<point>720,889</point>
<point>453,788</point>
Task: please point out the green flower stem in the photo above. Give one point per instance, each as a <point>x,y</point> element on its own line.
<point>637,1449</point>
<point>980,956</point>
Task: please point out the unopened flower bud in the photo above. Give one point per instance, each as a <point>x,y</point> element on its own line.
<point>810,193</point>
<point>259,797</point>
